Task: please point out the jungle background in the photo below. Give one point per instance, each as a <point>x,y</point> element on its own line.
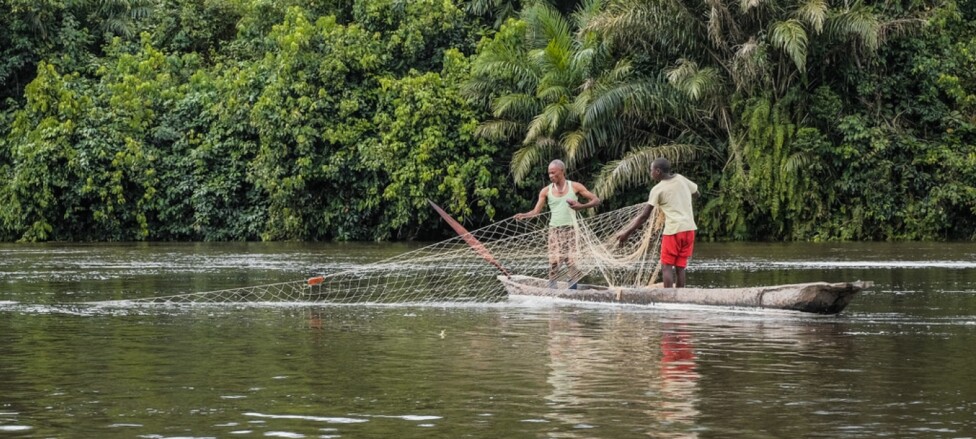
<point>213,120</point>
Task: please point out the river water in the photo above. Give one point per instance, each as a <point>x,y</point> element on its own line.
<point>898,362</point>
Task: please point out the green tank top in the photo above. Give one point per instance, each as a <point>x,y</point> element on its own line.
<point>561,213</point>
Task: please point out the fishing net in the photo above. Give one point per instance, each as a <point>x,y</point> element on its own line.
<point>463,269</point>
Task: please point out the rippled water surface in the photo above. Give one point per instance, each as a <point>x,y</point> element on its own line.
<point>897,363</point>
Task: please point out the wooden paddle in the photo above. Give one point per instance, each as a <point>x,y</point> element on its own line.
<point>473,242</point>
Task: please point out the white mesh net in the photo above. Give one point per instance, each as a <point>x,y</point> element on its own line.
<point>463,269</point>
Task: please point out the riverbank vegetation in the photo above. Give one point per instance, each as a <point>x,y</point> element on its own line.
<point>316,120</point>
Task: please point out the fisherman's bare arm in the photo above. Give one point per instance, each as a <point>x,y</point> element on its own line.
<point>635,224</point>
<point>538,206</point>
<point>592,199</point>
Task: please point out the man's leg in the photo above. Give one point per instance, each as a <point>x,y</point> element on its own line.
<point>572,251</point>
<point>669,248</point>
<point>686,245</point>
<point>667,273</point>
<point>554,253</point>
<point>573,273</point>
<point>574,276</point>
<point>680,275</point>
<point>553,269</point>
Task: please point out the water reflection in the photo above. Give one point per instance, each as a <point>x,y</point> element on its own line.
<point>678,382</point>
<point>588,354</point>
<point>896,363</point>
<point>572,360</point>
<point>663,369</point>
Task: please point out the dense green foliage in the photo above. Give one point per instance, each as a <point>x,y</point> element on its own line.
<point>802,119</point>
<point>298,127</point>
<point>253,119</point>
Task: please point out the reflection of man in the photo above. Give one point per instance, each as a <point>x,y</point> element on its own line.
<point>679,380</point>
<point>573,358</point>
<point>598,363</point>
<point>677,355</point>
<point>562,197</point>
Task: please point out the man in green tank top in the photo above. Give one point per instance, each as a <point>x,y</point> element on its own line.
<point>562,197</point>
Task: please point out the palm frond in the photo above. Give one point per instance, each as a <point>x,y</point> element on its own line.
<point>750,64</point>
<point>504,10</point>
<point>500,130</point>
<point>515,106</point>
<point>694,82</point>
<point>120,26</point>
<point>622,70</point>
<point>612,138</point>
<point>899,27</point>
<point>715,26</point>
<point>790,36</point>
<point>612,103</point>
<point>519,74</point>
<point>548,122</point>
<point>586,12</point>
<point>479,90</point>
<point>648,100</point>
<point>528,156</point>
<point>479,7</point>
<point>576,147</point>
<point>634,169</point>
<point>141,9</point>
<point>682,70</point>
<point>552,58</point>
<point>860,23</point>
<point>746,5</point>
<point>724,27</point>
<point>553,93</point>
<point>667,25</point>
<point>797,162</point>
<point>546,26</point>
<point>584,58</point>
<point>814,13</point>
<point>120,16</point>
<point>500,9</point>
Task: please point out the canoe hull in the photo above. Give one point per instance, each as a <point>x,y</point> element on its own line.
<point>817,297</point>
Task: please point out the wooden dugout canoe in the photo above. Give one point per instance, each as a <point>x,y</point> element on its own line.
<point>816,297</point>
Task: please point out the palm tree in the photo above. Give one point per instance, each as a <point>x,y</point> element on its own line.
<point>540,77</point>
<point>744,68</point>
<point>501,10</point>
<point>117,17</point>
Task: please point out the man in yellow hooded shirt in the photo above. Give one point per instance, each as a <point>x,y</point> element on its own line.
<point>673,194</point>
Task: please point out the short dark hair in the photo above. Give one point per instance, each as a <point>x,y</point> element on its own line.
<point>663,164</point>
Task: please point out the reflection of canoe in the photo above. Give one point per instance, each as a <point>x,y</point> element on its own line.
<point>817,297</point>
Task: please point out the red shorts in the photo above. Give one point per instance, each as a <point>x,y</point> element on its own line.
<point>677,248</point>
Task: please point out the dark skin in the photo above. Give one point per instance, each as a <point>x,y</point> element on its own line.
<point>671,275</point>
<point>557,175</point>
